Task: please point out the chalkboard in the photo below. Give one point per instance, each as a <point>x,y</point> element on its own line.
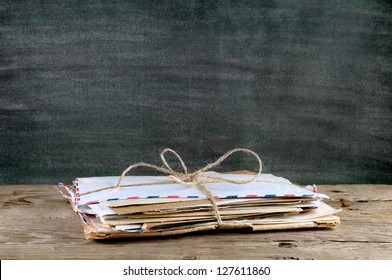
<point>90,87</point>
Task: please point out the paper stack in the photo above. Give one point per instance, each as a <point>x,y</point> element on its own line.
<point>157,205</point>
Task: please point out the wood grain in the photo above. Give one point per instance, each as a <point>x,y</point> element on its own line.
<point>38,223</point>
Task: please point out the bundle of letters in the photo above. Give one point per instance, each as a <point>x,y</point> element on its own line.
<point>158,205</point>
<point>182,202</point>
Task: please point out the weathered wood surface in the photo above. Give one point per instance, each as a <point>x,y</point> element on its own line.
<point>38,223</point>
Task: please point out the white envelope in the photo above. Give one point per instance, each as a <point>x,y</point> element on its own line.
<point>266,185</point>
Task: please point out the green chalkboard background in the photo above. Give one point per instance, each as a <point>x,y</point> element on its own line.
<point>90,87</point>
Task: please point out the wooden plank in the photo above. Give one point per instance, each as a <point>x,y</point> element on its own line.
<point>38,223</point>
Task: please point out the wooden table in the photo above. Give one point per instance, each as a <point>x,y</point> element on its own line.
<point>38,223</point>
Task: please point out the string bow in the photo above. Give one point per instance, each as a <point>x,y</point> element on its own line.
<point>198,178</point>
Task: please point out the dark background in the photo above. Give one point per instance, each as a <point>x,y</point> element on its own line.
<point>88,88</point>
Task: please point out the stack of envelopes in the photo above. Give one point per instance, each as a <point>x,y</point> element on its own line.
<point>166,207</point>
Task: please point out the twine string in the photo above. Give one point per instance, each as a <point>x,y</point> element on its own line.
<point>198,178</point>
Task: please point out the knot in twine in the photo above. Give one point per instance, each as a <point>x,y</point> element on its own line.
<point>198,178</point>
